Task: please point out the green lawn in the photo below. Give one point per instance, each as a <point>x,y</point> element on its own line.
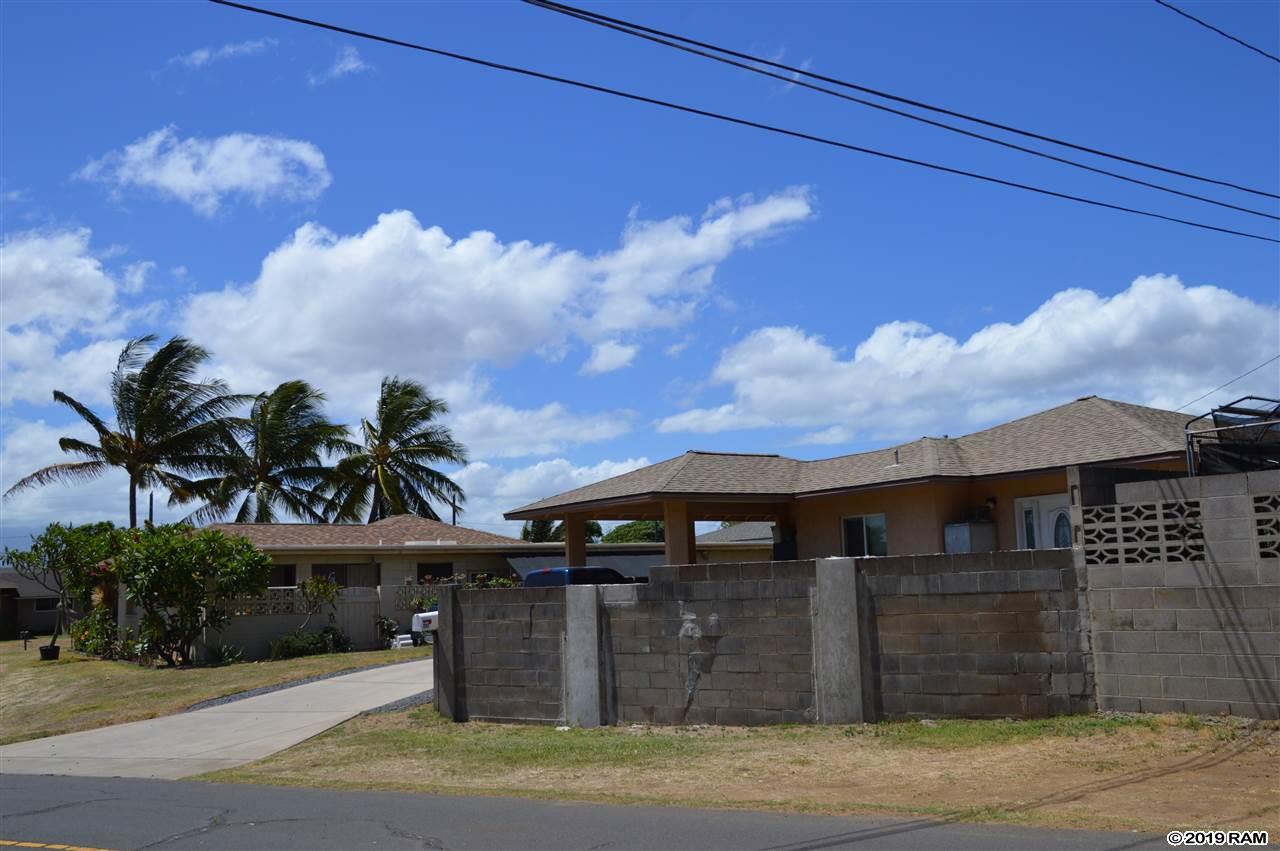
<point>79,692</point>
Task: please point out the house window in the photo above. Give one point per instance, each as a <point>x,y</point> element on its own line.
<point>45,604</point>
<point>435,572</point>
<point>865,536</point>
<point>283,576</point>
<point>350,575</point>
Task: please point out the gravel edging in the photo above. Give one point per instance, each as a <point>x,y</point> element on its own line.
<point>254,692</point>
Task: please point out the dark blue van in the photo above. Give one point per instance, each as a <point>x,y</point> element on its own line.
<point>548,576</point>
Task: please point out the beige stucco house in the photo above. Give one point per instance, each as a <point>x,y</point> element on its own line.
<point>1008,487</point>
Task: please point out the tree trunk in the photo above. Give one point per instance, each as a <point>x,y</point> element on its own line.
<point>133,501</point>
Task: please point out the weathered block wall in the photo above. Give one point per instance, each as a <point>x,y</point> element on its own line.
<point>712,644</point>
<point>506,646</point>
<point>1184,590</point>
<point>978,635</point>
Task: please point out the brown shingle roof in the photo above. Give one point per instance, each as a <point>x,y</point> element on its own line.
<point>393,531</point>
<point>1086,431</point>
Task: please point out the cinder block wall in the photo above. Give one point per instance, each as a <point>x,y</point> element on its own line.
<point>1184,591</point>
<point>712,644</point>
<point>507,646</point>
<point>978,635</point>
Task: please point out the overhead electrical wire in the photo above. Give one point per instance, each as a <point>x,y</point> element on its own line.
<point>595,17</point>
<point>1222,33</point>
<point>1228,384</point>
<point>791,79</point>
<point>744,122</point>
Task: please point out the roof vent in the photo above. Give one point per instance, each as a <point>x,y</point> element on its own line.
<point>895,463</point>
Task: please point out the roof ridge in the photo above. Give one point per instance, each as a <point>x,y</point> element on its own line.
<point>676,468</point>
<point>1114,407</point>
<point>855,454</point>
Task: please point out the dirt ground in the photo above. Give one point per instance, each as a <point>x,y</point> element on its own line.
<point>1153,775</point>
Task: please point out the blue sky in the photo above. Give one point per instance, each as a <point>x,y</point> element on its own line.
<point>594,283</point>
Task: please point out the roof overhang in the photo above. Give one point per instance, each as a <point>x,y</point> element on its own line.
<point>649,506</point>
<point>768,506</point>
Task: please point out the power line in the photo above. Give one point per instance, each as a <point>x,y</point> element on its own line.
<point>797,134</point>
<point>792,80</point>
<point>583,14</point>
<point>1228,384</point>
<point>1222,33</point>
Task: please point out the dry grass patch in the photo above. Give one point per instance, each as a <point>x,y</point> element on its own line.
<point>80,692</point>
<point>1148,773</point>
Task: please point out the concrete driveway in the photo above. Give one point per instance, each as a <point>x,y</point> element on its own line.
<point>220,736</point>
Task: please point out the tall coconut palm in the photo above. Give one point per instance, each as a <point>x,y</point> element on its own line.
<point>168,423</point>
<point>389,472</point>
<point>275,465</point>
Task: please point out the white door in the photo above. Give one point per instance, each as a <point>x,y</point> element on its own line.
<point>1044,522</point>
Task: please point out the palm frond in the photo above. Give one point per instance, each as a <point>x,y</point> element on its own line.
<point>72,471</point>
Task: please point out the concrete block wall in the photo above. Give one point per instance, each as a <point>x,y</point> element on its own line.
<point>1184,593</point>
<point>712,644</point>
<point>978,635</point>
<point>505,648</point>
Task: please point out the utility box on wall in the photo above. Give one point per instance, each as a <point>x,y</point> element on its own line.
<point>969,537</point>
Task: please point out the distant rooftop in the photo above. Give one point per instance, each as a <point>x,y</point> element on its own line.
<point>393,531</point>
<point>748,532</point>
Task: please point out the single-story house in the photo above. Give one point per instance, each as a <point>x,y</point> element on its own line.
<point>25,605</point>
<point>1013,486</point>
<point>750,540</point>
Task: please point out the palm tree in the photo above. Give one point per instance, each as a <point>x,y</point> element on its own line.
<point>277,465</point>
<point>389,473</point>
<point>544,531</point>
<point>167,422</point>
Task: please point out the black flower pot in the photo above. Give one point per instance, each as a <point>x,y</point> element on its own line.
<point>49,653</point>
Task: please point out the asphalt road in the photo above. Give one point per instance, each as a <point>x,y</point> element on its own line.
<point>131,813</point>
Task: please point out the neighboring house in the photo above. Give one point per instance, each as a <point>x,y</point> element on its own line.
<point>1012,486</point>
<point>407,550</point>
<point>25,605</point>
<point>751,540</point>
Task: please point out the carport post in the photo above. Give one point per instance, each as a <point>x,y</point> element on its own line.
<point>575,540</point>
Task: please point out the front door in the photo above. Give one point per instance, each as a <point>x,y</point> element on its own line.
<point>1044,522</point>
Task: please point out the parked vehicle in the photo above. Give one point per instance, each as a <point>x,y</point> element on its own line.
<point>550,576</point>
<point>423,627</point>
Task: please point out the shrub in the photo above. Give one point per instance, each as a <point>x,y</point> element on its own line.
<point>299,643</point>
<point>96,634</point>
<point>182,578</point>
<point>316,593</point>
<point>224,654</point>
<point>388,629</point>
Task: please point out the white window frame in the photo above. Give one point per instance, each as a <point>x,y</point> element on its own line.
<point>844,543</point>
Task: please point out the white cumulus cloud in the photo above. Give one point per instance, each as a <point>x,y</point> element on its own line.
<point>347,62</point>
<point>492,490</point>
<point>400,298</point>
<point>203,56</point>
<point>55,289</point>
<point>492,429</point>
<point>205,172</point>
<point>1158,342</point>
<point>608,356</point>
